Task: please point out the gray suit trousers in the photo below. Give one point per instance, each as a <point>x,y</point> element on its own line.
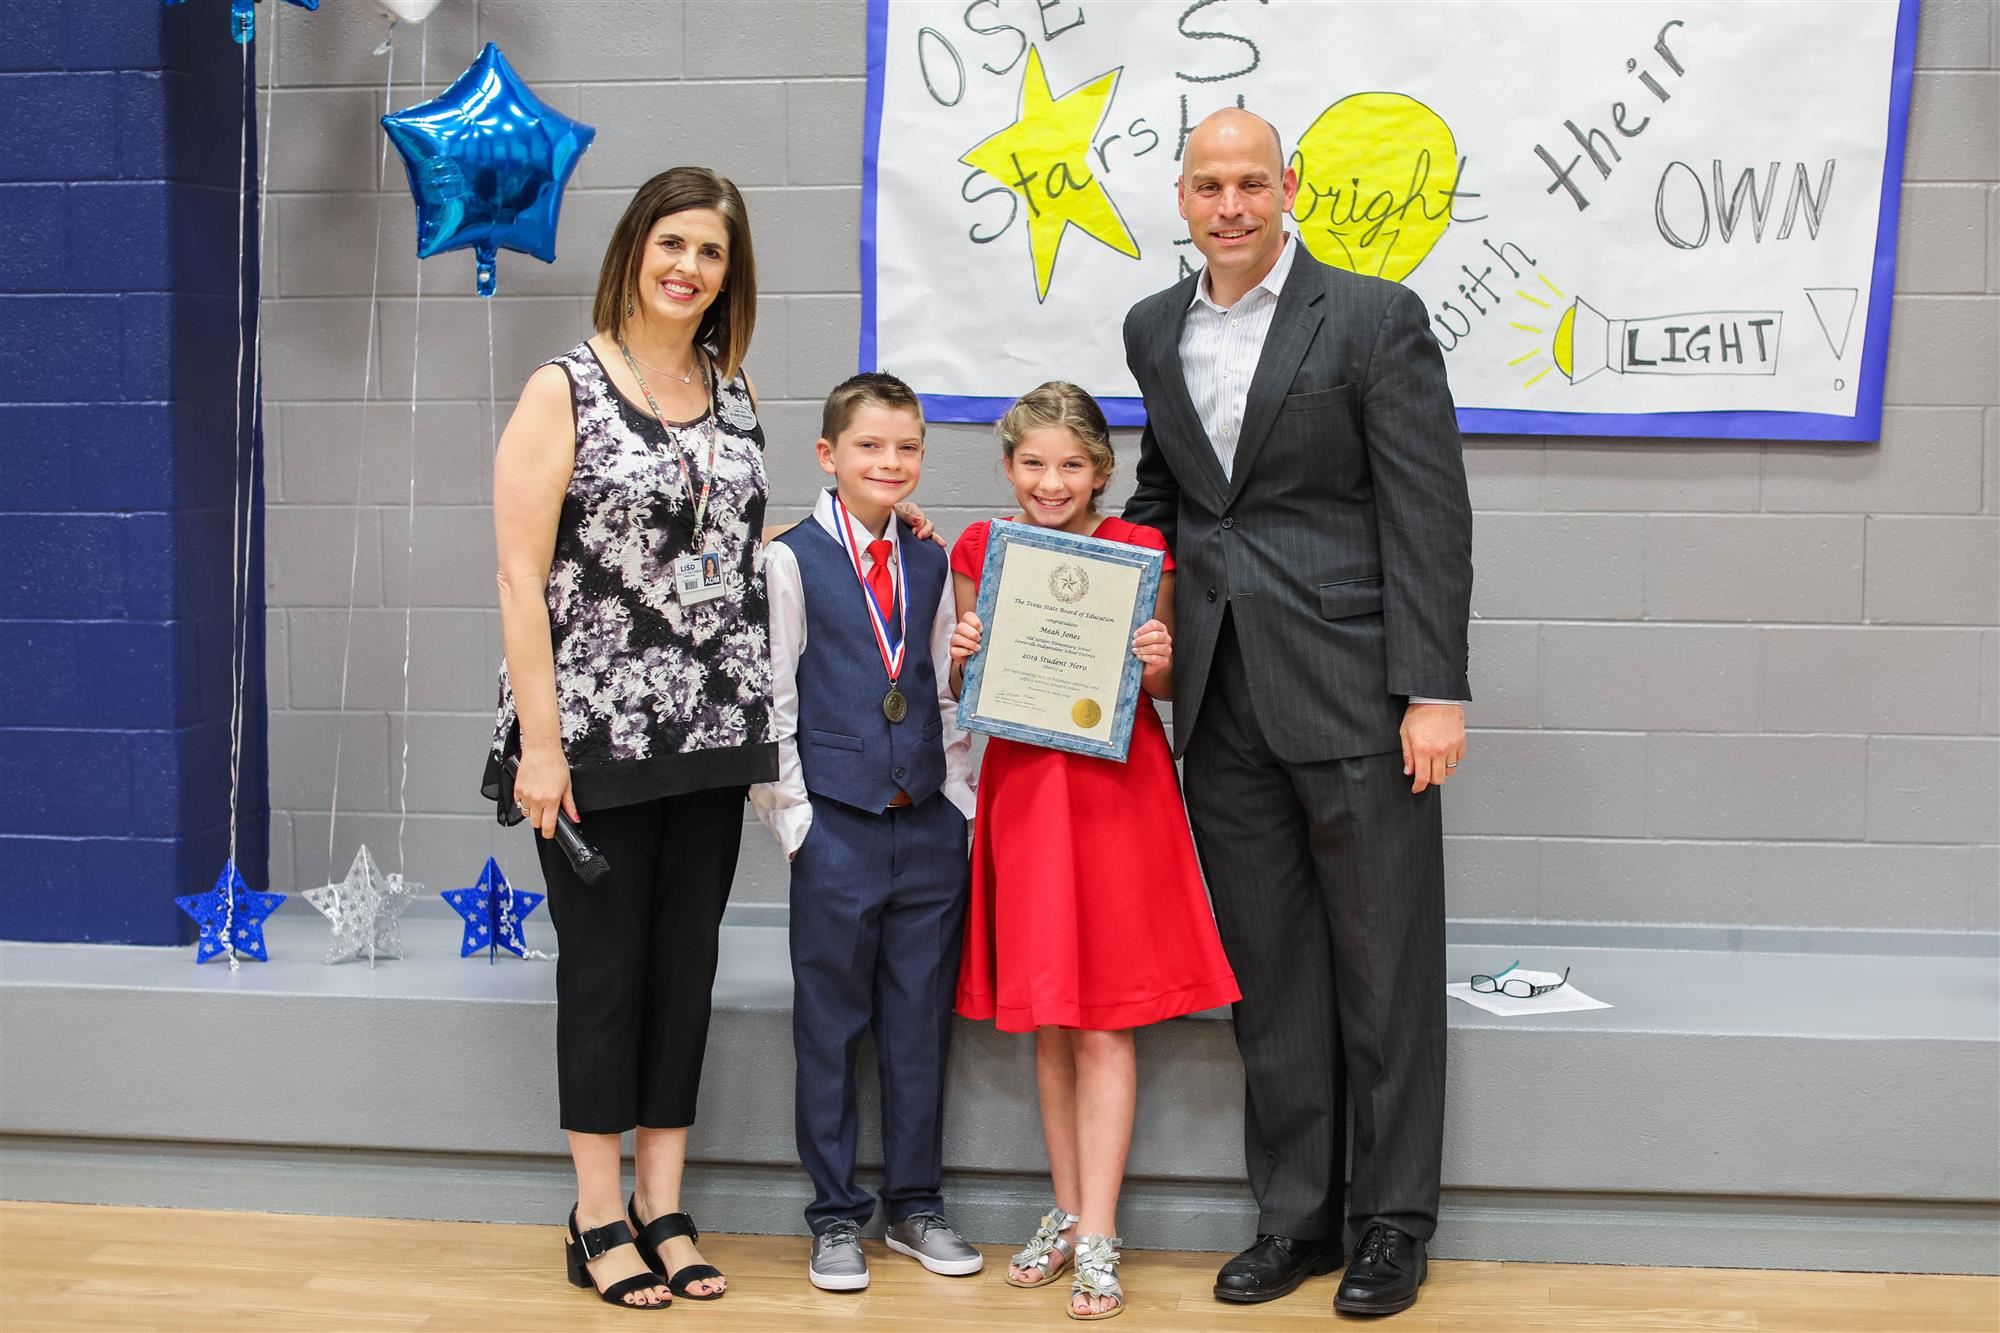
<point>1328,884</point>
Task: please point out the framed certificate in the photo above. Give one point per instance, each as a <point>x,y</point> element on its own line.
<point>1057,615</point>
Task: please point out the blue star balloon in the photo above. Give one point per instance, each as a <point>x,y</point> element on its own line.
<point>487,161</point>
<point>492,909</point>
<point>243,16</point>
<point>230,915</point>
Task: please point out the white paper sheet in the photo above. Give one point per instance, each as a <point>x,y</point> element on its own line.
<point>1562,1000</point>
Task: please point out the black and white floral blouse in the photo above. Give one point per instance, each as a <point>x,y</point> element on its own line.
<point>655,698</point>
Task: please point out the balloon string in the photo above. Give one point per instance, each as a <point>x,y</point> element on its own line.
<point>360,454</point>
<point>236,478</point>
<point>492,397</point>
<point>242,648</point>
<point>238,543</point>
<point>410,507</point>
<point>493,449</point>
<point>508,914</point>
<point>509,917</point>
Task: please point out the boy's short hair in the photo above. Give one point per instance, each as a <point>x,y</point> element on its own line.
<point>856,391</point>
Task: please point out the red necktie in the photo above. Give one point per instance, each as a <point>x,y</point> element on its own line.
<point>882,584</point>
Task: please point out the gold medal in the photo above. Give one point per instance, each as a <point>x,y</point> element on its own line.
<point>1085,713</point>
<point>895,706</point>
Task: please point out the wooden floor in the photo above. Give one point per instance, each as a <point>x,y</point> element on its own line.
<point>80,1268</point>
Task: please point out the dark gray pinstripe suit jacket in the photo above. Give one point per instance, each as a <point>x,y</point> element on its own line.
<point>1343,541</point>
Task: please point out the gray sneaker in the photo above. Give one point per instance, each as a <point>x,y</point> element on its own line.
<point>837,1261</point>
<point>929,1239</point>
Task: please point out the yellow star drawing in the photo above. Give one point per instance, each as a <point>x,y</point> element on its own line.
<point>1044,157</point>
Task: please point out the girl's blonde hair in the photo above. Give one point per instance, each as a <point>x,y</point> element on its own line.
<point>1060,403</point>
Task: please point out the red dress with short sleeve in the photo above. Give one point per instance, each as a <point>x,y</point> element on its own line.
<point>1088,908</point>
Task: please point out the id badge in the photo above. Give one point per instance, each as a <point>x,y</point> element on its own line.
<point>698,578</point>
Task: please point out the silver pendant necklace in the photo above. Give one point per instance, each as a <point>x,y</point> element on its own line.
<point>658,370</point>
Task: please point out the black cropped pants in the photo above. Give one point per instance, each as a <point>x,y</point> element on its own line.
<point>636,958</point>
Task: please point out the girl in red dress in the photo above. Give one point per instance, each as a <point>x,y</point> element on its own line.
<point>1088,915</point>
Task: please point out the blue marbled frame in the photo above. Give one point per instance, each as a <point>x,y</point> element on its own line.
<point>1149,563</point>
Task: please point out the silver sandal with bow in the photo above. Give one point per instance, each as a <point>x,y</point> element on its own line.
<point>1097,1276</point>
<point>1047,1250</point>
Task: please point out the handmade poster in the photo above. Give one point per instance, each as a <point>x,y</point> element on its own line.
<point>1636,219</point>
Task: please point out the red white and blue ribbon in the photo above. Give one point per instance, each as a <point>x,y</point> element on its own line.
<point>892,662</point>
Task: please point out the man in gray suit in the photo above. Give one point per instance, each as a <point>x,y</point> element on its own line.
<point>1302,457</point>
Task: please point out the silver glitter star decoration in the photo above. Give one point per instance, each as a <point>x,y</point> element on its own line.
<point>366,910</point>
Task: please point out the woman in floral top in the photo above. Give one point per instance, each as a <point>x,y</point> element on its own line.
<point>628,503</point>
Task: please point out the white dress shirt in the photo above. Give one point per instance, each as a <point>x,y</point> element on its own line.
<point>1220,348</point>
<point>784,806</point>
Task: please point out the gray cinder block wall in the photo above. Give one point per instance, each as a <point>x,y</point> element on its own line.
<point>1718,683</point>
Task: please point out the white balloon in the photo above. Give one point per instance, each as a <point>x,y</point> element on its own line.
<point>409,11</point>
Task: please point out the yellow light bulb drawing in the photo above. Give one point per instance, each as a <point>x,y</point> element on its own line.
<point>1564,347</point>
<point>1376,172</point>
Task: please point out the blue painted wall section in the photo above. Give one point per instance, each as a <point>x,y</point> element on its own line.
<point>120,122</point>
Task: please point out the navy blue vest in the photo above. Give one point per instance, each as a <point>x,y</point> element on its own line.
<point>849,751</point>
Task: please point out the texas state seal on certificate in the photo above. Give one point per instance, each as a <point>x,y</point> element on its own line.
<point>1058,612</point>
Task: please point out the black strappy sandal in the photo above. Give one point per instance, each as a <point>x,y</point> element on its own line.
<point>580,1247</point>
<point>652,1242</point>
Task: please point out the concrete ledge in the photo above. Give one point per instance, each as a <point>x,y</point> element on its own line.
<point>1736,1108</point>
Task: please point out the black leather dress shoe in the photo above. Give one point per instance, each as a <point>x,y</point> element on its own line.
<point>1388,1268</point>
<point>1274,1267</point>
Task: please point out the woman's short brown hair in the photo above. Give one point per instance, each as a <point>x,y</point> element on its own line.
<point>1060,403</point>
<point>727,324</point>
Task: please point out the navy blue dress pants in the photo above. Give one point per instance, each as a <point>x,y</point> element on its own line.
<point>878,908</point>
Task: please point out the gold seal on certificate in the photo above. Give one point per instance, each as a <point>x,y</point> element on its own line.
<point>1058,612</point>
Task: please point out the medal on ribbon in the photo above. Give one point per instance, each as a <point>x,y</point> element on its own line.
<point>895,704</point>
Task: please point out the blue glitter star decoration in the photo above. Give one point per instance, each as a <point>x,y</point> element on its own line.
<point>493,910</point>
<point>230,915</point>
<point>243,16</point>
<point>487,162</point>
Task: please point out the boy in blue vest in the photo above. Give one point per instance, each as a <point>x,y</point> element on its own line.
<point>871,803</point>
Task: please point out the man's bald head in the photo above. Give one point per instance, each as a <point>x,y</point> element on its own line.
<point>1234,132</point>
<point>1234,192</point>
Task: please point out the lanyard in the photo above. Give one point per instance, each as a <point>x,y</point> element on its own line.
<point>891,662</point>
<point>687,455</point>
